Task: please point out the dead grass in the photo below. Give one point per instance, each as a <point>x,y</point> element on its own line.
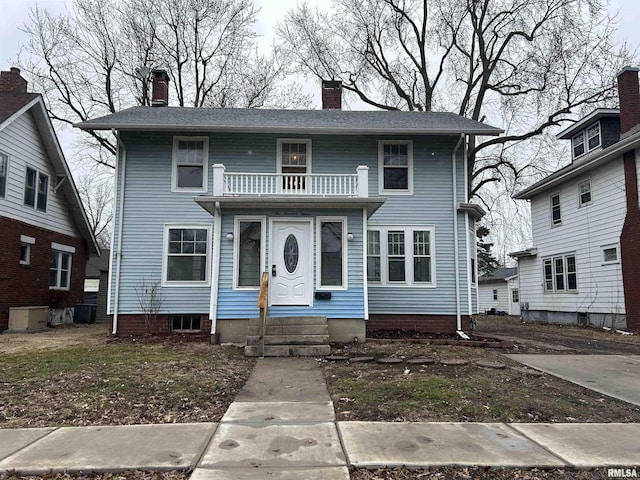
<point>467,473</point>
<point>54,338</point>
<point>469,393</point>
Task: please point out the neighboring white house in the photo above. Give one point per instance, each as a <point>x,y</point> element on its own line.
<point>573,272</point>
<point>500,291</point>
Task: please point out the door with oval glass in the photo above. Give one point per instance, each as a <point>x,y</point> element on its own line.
<point>290,259</point>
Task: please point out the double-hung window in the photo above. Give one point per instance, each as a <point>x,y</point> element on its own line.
<point>36,189</point>
<point>4,166</point>
<point>401,255</point>
<point>577,142</point>
<point>294,162</point>
<point>584,193</point>
<point>25,249</point>
<point>395,166</point>
<point>187,254</point>
<point>556,213</point>
<point>593,136</point>
<point>332,249</point>
<point>560,274</point>
<point>60,266</point>
<point>190,164</point>
<point>249,239</point>
<point>586,140</point>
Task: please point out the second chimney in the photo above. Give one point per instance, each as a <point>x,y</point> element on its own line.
<point>629,96</point>
<point>331,94</point>
<point>12,82</point>
<point>160,88</point>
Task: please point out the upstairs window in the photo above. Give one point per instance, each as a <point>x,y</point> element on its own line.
<point>556,214</point>
<point>593,136</point>
<point>584,193</point>
<point>36,189</point>
<point>610,254</point>
<point>190,164</point>
<point>586,140</point>
<point>495,294</point>
<point>4,164</point>
<point>395,166</point>
<point>577,143</point>
<point>294,162</point>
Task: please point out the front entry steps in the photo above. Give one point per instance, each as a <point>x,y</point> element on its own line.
<point>289,337</point>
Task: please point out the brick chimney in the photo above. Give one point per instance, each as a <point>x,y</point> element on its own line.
<point>160,88</point>
<point>331,94</point>
<point>629,96</point>
<point>12,82</point>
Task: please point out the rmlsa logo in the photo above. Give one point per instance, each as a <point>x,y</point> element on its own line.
<point>622,473</point>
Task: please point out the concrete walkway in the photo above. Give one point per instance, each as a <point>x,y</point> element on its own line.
<point>282,426</point>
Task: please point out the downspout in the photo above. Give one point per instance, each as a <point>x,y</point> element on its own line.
<point>456,253</point>
<point>118,254</point>
<point>215,268</point>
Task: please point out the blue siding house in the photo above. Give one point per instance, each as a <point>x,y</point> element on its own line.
<point>359,217</point>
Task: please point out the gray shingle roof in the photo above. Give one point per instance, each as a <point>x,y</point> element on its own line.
<point>501,273</point>
<point>293,121</point>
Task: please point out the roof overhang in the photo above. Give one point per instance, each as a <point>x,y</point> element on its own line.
<point>579,167</point>
<point>475,211</point>
<point>581,124</point>
<point>210,203</point>
<point>529,252</point>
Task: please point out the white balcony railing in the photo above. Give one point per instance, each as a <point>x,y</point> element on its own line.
<point>264,184</point>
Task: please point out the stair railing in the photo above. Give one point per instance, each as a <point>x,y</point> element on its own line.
<point>263,297</point>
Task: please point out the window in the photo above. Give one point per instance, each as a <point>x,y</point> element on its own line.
<point>586,140</point>
<point>556,216</point>
<point>190,156</point>
<point>249,247</point>
<point>187,252</point>
<point>515,295</point>
<point>395,166</point>
<point>401,255</point>
<point>333,258</point>
<point>294,161</point>
<point>577,143</point>
<point>4,167</point>
<point>593,136</point>
<point>560,274</point>
<point>473,253</point>
<point>185,323</point>
<point>495,294</point>
<point>610,254</point>
<point>60,270</point>
<point>36,188</point>
<point>25,253</point>
<point>584,193</point>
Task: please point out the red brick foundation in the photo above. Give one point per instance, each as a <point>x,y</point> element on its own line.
<point>135,325</point>
<point>630,245</point>
<point>28,285</point>
<point>419,323</point>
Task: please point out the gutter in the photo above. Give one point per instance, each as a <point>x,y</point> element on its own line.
<point>215,267</point>
<point>118,250</point>
<point>456,253</point>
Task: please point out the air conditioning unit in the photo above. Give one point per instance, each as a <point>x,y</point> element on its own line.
<point>27,319</point>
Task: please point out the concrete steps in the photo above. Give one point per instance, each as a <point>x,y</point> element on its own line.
<point>289,337</point>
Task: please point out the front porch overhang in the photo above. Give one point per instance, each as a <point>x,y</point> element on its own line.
<point>289,202</point>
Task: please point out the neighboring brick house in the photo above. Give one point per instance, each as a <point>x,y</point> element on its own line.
<point>45,237</point>
<point>584,263</point>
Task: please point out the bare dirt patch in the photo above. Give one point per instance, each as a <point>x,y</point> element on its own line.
<point>467,473</point>
<point>61,337</point>
<point>130,475</point>
<point>459,393</point>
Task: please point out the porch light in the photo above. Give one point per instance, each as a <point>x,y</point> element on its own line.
<point>229,236</point>
<point>349,236</point>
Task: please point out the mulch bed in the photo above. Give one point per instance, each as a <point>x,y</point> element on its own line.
<point>472,473</point>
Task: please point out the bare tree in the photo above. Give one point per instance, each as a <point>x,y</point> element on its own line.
<point>96,194</point>
<point>524,65</point>
<point>87,62</point>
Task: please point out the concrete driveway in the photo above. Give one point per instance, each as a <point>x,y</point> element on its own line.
<point>615,375</point>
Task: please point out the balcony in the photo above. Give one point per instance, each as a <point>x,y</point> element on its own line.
<point>281,184</point>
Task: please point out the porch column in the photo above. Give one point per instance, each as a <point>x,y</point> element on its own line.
<point>218,179</point>
<point>363,181</point>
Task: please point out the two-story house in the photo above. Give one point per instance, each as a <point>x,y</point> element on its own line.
<point>45,237</point>
<point>574,271</point>
<point>359,217</point>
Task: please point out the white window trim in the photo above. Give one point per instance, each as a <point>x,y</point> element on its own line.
<point>580,204</point>
<point>165,256</point>
<point>205,165</point>
<point>607,247</point>
<point>279,143</point>
<point>63,248</point>
<point>59,269</point>
<point>381,189</point>
<point>565,273</point>
<point>236,246</point>
<point>37,194</point>
<point>345,254</point>
<point>551,208</point>
<point>408,259</point>
<point>6,177</point>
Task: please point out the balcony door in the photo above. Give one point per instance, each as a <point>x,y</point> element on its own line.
<point>291,247</point>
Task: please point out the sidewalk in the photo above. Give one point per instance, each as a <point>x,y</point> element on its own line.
<point>282,425</point>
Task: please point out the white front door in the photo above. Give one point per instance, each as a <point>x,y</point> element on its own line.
<point>291,280</point>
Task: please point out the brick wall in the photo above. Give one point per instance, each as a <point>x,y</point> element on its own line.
<point>630,245</point>
<point>12,82</point>
<point>135,325</point>
<point>420,323</point>
<point>28,285</point>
